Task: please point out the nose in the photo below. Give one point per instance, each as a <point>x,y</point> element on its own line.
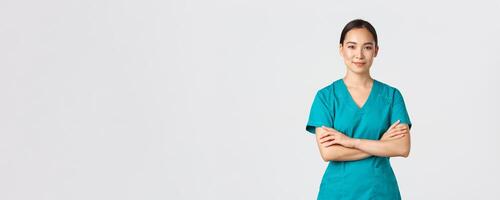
<point>359,54</point>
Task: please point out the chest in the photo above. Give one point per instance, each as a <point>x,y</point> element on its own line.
<point>359,95</point>
<point>368,122</point>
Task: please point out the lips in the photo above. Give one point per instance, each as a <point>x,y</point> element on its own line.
<point>359,63</point>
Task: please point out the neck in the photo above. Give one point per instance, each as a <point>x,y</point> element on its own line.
<point>358,80</point>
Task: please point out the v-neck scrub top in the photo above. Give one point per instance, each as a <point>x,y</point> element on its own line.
<point>372,177</point>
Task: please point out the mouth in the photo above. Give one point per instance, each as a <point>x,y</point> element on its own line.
<point>359,63</point>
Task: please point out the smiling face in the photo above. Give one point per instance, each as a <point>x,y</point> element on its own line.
<point>358,50</point>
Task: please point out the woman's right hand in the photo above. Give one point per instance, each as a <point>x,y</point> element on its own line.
<point>395,131</point>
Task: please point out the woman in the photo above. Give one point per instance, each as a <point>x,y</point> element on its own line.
<point>359,124</point>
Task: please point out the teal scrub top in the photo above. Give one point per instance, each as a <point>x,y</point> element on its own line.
<point>372,177</point>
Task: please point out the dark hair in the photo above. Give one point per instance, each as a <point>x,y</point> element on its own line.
<point>358,23</point>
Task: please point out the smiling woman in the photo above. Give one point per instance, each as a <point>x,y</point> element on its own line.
<point>358,46</point>
<point>359,123</point>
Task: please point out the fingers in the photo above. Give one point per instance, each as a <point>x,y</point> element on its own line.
<point>326,138</point>
<point>398,136</point>
<point>397,132</point>
<point>402,127</point>
<point>328,130</point>
<point>398,128</point>
<point>394,125</point>
<point>329,143</point>
<point>324,134</point>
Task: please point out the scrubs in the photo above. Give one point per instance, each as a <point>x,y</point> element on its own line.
<point>372,177</point>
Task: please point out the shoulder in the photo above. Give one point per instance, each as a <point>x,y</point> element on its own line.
<point>388,91</point>
<point>327,93</point>
<point>328,90</point>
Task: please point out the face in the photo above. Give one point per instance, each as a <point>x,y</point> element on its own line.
<point>358,50</point>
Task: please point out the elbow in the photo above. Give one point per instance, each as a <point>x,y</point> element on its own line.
<point>405,153</point>
<point>329,157</point>
<point>325,157</point>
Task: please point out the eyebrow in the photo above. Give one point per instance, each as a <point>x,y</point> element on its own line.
<point>363,44</point>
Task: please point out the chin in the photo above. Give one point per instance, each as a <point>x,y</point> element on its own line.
<point>359,70</point>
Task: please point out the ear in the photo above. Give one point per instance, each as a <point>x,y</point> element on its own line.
<point>340,50</point>
<point>376,51</point>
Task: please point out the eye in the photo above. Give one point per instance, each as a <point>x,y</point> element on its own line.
<point>350,46</point>
<point>368,48</point>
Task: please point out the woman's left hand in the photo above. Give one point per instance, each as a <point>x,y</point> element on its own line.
<point>332,136</point>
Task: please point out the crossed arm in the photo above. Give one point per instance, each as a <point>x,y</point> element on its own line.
<point>336,146</point>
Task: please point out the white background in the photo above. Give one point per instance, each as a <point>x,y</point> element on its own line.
<point>209,99</point>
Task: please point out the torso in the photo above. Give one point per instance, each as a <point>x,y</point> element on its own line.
<point>360,112</point>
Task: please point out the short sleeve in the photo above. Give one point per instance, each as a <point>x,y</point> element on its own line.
<point>321,113</point>
<point>398,110</point>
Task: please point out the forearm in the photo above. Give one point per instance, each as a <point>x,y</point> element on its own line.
<point>384,148</point>
<point>340,153</point>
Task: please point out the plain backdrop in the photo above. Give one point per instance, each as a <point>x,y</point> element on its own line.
<point>209,99</point>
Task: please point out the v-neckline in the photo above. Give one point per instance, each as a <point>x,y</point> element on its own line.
<point>351,99</point>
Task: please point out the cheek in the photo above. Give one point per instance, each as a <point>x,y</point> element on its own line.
<point>369,54</point>
<point>347,55</point>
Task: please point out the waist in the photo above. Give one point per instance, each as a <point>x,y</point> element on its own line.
<point>373,166</point>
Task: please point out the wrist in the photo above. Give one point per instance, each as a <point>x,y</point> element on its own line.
<point>355,142</point>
